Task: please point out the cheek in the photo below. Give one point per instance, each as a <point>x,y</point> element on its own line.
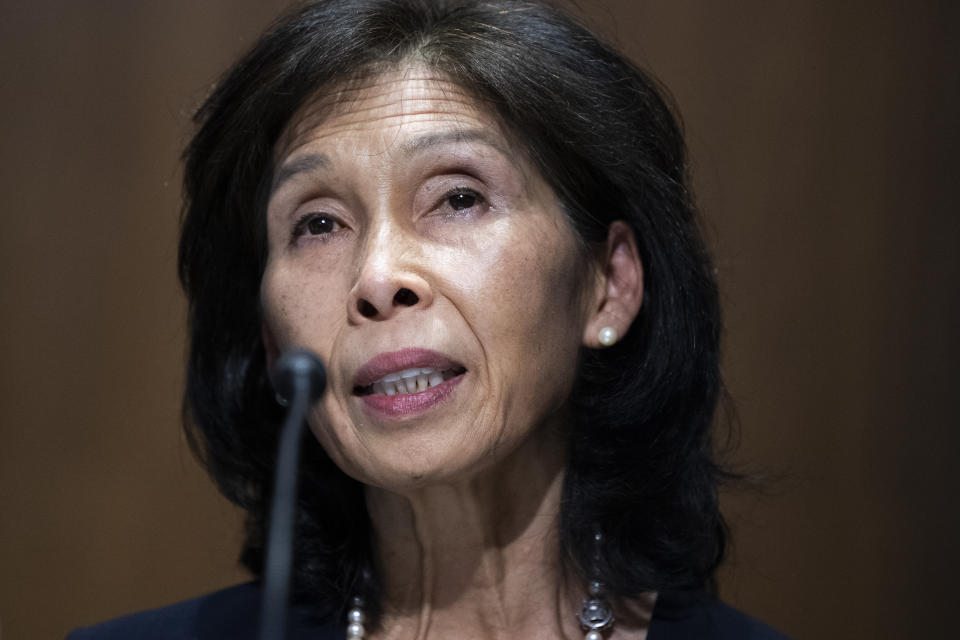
<point>301,310</point>
<point>531,286</point>
<point>298,309</point>
<point>525,306</point>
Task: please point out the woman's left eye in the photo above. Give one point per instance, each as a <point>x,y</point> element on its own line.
<point>462,199</point>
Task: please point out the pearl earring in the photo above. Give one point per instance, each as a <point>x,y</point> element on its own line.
<point>607,336</point>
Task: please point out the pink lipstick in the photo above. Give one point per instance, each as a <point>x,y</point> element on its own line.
<point>407,382</point>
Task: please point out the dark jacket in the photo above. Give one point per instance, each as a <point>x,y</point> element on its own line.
<point>233,614</point>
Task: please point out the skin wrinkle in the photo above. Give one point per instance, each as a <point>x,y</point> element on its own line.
<point>490,563</point>
<point>465,499</point>
<point>346,99</point>
<point>339,101</point>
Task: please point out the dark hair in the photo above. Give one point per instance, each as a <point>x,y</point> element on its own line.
<point>641,460</point>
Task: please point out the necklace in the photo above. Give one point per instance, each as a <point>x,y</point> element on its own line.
<point>355,620</point>
<point>596,615</point>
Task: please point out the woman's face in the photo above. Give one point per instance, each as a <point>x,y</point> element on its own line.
<point>417,251</point>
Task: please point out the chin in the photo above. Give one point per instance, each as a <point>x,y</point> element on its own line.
<point>410,475</point>
<point>424,454</point>
<point>402,469</point>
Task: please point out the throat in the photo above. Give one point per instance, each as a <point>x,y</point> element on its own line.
<point>476,560</point>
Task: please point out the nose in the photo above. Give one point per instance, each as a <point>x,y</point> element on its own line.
<point>390,279</point>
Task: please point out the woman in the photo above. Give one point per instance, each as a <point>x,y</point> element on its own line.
<point>477,214</point>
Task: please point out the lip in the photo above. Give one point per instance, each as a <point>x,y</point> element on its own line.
<point>406,404</point>
<point>384,363</point>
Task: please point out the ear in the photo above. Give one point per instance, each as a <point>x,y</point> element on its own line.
<point>619,286</point>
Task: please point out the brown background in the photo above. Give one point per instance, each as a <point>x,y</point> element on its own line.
<point>825,142</point>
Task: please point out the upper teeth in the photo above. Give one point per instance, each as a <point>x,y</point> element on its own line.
<point>408,381</point>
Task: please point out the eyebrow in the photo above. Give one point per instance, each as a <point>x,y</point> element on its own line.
<point>303,164</point>
<point>440,138</point>
<point>313,161</point>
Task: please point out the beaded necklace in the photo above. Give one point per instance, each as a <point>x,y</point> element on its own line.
<point>596,615</point>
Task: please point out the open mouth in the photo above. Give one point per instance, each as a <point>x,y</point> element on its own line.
<point>409,381</point>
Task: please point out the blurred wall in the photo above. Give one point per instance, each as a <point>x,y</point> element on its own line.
<point>824,137</point>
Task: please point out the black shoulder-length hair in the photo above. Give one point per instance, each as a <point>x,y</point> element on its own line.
<point>641,462</point>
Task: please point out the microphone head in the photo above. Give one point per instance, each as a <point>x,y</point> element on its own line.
<point>297,369</point>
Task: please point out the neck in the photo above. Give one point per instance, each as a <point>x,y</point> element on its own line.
<point>478,558</point>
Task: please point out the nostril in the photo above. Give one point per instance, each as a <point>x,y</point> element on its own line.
<point>406,298</point>
<point>402,298</point>
<point>367,310</point>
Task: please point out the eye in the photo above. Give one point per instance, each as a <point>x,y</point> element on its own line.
<point>319,224</point>
<point>461,199</point>
<point>316,224</point>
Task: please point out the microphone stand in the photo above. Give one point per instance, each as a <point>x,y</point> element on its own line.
<point>299,378</point>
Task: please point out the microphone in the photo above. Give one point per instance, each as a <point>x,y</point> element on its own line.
<point>298,378</point>
<point>298,367</point>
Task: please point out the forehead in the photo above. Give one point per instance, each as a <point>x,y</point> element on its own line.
<point>388,107</point>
